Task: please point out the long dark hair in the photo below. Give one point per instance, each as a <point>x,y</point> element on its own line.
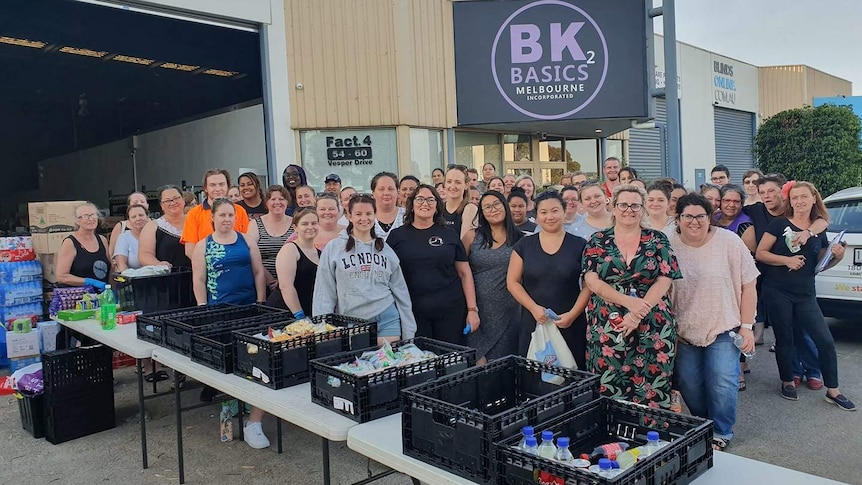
<point>484,227</point>
<point>410,216</point>
<point>361,199</point>
<point>254,180</point>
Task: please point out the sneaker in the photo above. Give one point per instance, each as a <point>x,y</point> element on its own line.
<point>253,434</point>
<point>842,402</point>
<point>815,384</point>
<point>788,391</point>
<point>675,401</point>
<point>797,381</point>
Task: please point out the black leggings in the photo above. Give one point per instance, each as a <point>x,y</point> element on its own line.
<point>444,321</point>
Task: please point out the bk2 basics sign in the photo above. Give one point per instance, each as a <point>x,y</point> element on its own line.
<point>550,60</point>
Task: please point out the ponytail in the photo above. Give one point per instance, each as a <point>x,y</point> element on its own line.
<point>378,241</point>
<point>351,243</point>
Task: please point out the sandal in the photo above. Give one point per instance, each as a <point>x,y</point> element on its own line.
<point>719,444</point>
<point>157,376</point>
<point>742,385</point>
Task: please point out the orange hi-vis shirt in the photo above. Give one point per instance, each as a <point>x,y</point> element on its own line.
<point>199,223</point>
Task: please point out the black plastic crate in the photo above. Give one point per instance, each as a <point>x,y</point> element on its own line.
<point>372,396</point>
<point>687,456</point>
<point>452,422</point>
<point>79,392</point>
<point>178,331</point>
<point>214,348</point>
<point>156,292</point>
<point>283,364</point>
<point>151,326</point>
<point>32,410</point>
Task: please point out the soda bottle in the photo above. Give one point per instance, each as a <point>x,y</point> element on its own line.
<point>605,451</point>
<point>530,447</point>
<point>628,458</point>
<point>547,448</point>
<point>563,454</point>
<point>108,308</point>
<point>526,431</point>
<point>738,341</point>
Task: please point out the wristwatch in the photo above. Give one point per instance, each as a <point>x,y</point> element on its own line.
<point>747,326</point>
<point>812,233</point>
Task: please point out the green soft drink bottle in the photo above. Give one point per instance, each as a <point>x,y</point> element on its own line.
<point>108,308</point>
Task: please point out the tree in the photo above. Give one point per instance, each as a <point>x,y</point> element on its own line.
<point>820,145</point>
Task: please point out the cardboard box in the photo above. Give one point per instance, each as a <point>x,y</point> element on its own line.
<point>49,331</point>
<point>49,243</point>
<point>23,344</point>
<point>49,267</point>
<point>46,217</point>
<point>22,362</point>
<point>16,255</point>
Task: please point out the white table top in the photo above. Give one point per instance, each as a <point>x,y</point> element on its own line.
<point>123,338</point>
<point>380,440</point>
<point>292,404</point>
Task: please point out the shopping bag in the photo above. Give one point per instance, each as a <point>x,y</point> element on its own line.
<point>548,346</point>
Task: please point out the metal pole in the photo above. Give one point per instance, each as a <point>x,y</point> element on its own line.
<point>603,152</point>
<point>674,145</point>
<point>268,129</point>
<point>450,145</point>
<point>662,136</point>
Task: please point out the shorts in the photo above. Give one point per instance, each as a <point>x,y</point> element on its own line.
<point>389,322</point>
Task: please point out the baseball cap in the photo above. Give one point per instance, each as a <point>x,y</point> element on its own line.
<point>333,177</point>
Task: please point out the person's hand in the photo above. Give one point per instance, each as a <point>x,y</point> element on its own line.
<point>164,263</point>
<point>838,251</point>
<point>473,320</point>
<point>273,285</point>
<point>794,263</point>
<point>539,315</point>
<point>747,340</point>
<point>97,284</point>
<point>566,320</point>
<point>639,307</point>
<point>629,324</point>
<point>800,238</point>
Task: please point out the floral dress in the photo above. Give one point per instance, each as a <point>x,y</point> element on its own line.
<point>636,368</point>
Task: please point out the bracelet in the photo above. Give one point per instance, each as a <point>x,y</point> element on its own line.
<point>747,326</point>
<point>472,309</point>
<point>812,233</point>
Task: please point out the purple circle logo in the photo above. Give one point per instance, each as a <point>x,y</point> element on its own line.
<point>549,59</point>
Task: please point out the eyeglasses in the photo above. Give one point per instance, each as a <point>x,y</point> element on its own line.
<point>688,217</point>
<point>87,216</point>
<point>750,182</point>
<point>172,200</point>
<point>431,201</point>
<point>622,207</point>
<point>496,206</point>
<point>731,201</point>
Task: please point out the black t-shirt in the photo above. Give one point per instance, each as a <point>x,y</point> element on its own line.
<point>453,220</point>
<point>552,280</point>
<point>760,217</point>
<point>527,228</point>
<point>428,259</point>
<point>254,212</point>
<point>799,282</point>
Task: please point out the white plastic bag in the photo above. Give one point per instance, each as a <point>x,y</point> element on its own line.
<point>548,346</point>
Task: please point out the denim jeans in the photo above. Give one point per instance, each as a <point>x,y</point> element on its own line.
<point>787,313</point>
<point>707,378</point>
<point>807,363</point>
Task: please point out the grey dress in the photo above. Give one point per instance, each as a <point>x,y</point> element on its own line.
<point>497,335</point>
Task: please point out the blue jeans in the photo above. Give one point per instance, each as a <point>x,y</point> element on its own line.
<point>707,378</point>
<point>807,363</point>
<point>389,322</point>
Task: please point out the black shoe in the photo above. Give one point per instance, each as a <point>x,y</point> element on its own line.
<point>208,393</point>
<point>788,391</point>
<point>842,402</point>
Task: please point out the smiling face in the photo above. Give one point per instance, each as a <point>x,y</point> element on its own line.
<point>493,209</point>
<point>731,204</point>
<point>496,185</point>
<point>224,217</point>
<point>216,186</point>
<point>693,222</point>
<point>308,227</point>
<point>247,188</point>
<point>488,171</point>
<point>674,196</point>
<point>714,198</point>
<point>424,204</point>
<point>508,183</point>
<point>750,184</point>
<point>572,202</point>
<point>611,170</point>
<point>385,193</point>
<point>455,184</point>
<point>550,214</point>
<point>87,217</point>
<point>656,203</point>
<point>234,195</point>
<point>528,187</point>
<point>437,176</point>
<point>362,217</point>
<point>171,201</point>
<point>628,210</point>
<point>518,208</point>
<point>276,204</point>
<point>475,195</point>
<point>332,186</point>
<point>292,178</point>
<point>305,197</point>
<point>625,177</point>
<point>138,218</point>
<point>594,199</point>
<point>327,212</point>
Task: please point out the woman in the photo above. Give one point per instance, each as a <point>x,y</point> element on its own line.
<point>83,257</point>
<point>789,294</point>
<point>475,195</point>
<point>126,250</point>
<point>233,194</point>
<point>435,268</point>
<point>518,207</point>
<point>749,183</point>
<point>676,191</point>
<point>712,193</point>
<point>361,276</point>
<point>597,216</point>
<point>296,267</point>
<point>438,176</point>
<point>716,296</point>
<point>508,182</point>
<point>526,182</point>
<point>406,186</point>
<point>572,199</point>
<point>159,242</point>
<point>271,230</point>
<point>489,248</point>
<point>496,184</point>
<point>305,197</point>
<point>544,272</point>
<point>344,198</point>
<point>327,214</point>
<point>629,270</point>
<point>135,198</point>
<point>252,195</point>
<point>457,211</point>
<point>227,268</point>
<point>627,175</point>
<point>731,216</point>
<point>441,189</point>
<point>293,177</point>
<point>657,199</point>
<point>384,188</point>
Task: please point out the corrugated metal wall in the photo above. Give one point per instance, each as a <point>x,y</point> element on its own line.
<point>788,87</point>
<point>734,138</point>
<point>370,63</point>
<point>645,147</point>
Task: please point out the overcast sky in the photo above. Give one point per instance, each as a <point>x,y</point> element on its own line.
<point>825,34</point>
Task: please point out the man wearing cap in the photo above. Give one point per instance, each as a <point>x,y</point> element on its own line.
<point>332,184</point>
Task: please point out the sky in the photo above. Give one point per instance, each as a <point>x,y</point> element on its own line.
<point>825,34</point>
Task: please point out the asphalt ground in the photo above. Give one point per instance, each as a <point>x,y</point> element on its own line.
<point>808,435</point>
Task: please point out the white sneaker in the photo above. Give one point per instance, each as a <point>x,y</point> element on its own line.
<point>253,435</point>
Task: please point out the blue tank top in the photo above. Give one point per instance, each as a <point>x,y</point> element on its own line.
<point>229,275</point>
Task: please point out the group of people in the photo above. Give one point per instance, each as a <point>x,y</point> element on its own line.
<point>435,260</point>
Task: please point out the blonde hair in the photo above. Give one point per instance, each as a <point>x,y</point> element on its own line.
<point>818,209</point>
<point>631,188</point>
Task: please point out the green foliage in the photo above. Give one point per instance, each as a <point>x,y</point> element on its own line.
<point>820,145</point>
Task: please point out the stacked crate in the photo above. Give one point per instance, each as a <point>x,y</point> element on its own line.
<point>20,301</point>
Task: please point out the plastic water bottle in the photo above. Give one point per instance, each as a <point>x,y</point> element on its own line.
<point>628,458</point>
<point>108,308</point>
<point>738,341</point>
<point>563,454</point>
<point>526,431</point>
<point>547,448</point>
<point>530,447</point>
<point>652,445</point>
<point>604,469</point>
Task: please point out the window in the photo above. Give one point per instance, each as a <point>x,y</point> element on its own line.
<point>477,149</point>
<point>355,155</point>
<point>516,148</point>
<point>426,153</point>
<point>845,215</point>
<point>585,157</point>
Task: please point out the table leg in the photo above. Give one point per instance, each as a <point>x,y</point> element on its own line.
<point>327,478</point>
<point>177,397</point>
<point>153,370</point>
<point>278,428</point>
<point>241,406</point>
<point>141,412</point>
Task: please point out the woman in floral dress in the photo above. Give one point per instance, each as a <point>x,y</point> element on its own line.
<point>629,270</point>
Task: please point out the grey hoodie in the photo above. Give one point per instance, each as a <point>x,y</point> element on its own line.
<point>362,283</point>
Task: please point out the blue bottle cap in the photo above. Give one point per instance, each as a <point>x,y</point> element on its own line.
<point>563,442</point>
<point>652,435</point>
<point>604,464</point>
<point>528,431</point>
<point>547,435</point>
<point>531,441</point>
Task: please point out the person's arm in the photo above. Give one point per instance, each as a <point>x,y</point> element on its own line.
<point>121,255</point>
<point>609,294</point>
<point>189,237</point>
<point>115,237</point>
<point>257,270</point>
<point>467,284</point>
<point>285,268</point>
<point>747,311</point>
<point>199,274</point>
<point>750,239</point>
<point>147,245</point>
<point>567,319</point>
<point>468,239</point>
<point>325,293</point>
<point>516,289</point>
<point>816,227</point>
<point>764,254</point>
<point>398,286</point>
<point>468,219</point>
<point>64,265</point>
